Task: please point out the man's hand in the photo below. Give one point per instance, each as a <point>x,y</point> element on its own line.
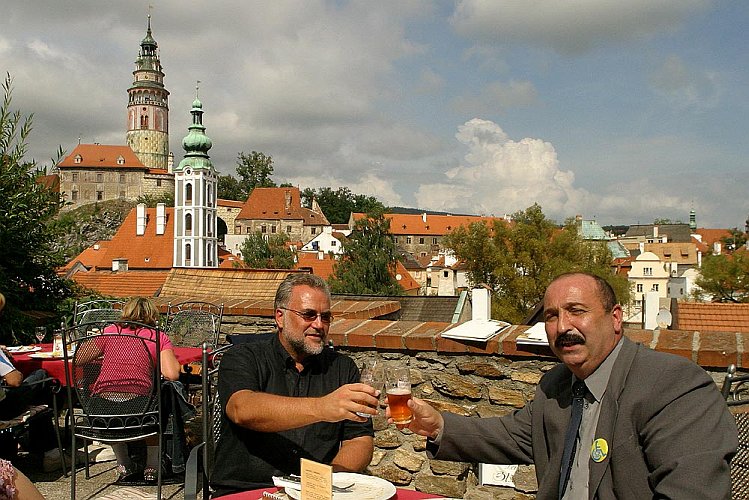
<point>344,402</point>
<point>425,420</point>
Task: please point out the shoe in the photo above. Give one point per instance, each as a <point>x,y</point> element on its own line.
<point>150,474</point>
<point>124,475</point>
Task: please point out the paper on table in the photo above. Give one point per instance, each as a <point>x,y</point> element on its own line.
<point>317,480</point>
<point>535,335</point>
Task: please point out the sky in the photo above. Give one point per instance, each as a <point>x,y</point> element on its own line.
<point>622,112</point>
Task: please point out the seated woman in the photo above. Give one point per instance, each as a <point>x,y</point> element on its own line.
<point>125,377</point>
<point>14,485</point>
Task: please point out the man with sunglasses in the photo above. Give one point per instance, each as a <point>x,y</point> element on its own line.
<point>291,397</point>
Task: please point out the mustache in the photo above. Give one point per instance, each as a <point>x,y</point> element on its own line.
<point>568,339</point>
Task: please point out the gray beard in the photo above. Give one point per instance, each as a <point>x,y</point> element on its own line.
<point>300,348</point>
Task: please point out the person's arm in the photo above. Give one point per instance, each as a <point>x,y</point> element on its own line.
<point>265,412</point>
<point>13,378</point>
<point>689,429</point>
<point>169,365</point>
<point>354,455</point>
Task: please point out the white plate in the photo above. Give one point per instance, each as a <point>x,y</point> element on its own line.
<point>20,349</point>
<point>365,487</point>
<point>48,355</point>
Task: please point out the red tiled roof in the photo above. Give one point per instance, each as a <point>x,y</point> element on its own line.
<point>271,204</point>
<point>51,182</point>
<point>224,285</point>
<point>712,317</point>
<point>407,281</point>
<point>710,236</point>
<point>230,203</point>
<point>147,251</point>
<point>103,156</point>
<point>89,257</point>
<point>122,284</point>
<point>435,225</point>
<point>320,267</point>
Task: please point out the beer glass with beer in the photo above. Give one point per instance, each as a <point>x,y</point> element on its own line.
<point>398,389</point>
<point>372,375</point>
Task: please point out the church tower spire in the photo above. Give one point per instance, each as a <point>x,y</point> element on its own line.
<point>148,107</point>
<point>195,181</point>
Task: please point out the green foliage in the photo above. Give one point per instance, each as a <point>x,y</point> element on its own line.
<point>271,253</point>
<point>254,170</point>
<point>228,188</point>
<point>725,277</point>
<point>338,204</point>
<point>28,261</point>
<point>151,200</point>
<point>735,241</point>
<point>519,259</point>
<point>367,265</point>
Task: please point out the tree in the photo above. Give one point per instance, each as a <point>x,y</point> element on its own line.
<point>27,261</point>
<point>736,240</point>
<point>725,277</point>
<point>338,204</point>
<point>519,259</point>
<point>228,188</point>
<point>254,170</point>
<point>367,265</point>
<point>267,253</point>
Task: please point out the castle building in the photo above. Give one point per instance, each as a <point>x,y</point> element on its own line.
<point>148,107</point>
<point>195,181</point>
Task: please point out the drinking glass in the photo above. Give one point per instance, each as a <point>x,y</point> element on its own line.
<point>40,332</point>
<point>372,374</point>
<point>398,389</point>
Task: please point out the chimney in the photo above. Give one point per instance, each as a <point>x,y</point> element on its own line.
<point>287,200</point>
<point>320,255</point>
<point>642,247</point>
<point>481,304</point>
<point>96,246</point>
<point>424,217</point>
<point>140,222</point>
<point>160,218</point>
<point>170,163</point>
<point>717,248</point>
<point>119,265</point>
<point>655,232</point>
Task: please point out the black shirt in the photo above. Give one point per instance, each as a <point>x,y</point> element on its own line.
<point>246,459</point>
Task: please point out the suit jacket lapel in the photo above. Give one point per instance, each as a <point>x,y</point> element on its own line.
<point>556,412</point>
<point>610,411</point>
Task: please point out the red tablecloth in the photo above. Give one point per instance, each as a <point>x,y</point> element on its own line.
<point>56,367</point>
<point>400,494</point>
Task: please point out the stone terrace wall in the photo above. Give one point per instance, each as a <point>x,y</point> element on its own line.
<point>484,380</point>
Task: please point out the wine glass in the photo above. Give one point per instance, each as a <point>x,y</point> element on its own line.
<point>373,375</point>
<point>40,332</point>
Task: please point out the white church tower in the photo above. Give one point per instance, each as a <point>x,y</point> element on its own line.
<point>195,181</point>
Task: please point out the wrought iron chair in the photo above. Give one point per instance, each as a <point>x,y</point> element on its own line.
<point>191,323</point>
<point>97,310</point>
<point>201,456</point>
<point>117,382</point>
<point>14,427</point>
<point>737,394</point>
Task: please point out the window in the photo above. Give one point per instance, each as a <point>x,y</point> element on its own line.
<point>263,229</point>
<point>648,271</point>
<point>122,194</point>
<point>446,274</point>
<point>78,159</point>
<point>408,240</point>
<point>120,161</point>
<point>100,195</point>
<point>75,177</point>
<point>99,178</point>
<point>434,241</point>
<point>188,194</point>
<point>74,195</point>
<point>421,241</point>
<point>288,229</point>
<point>654,288</point>
<point>639,288</point>
<point>122,178</point>
<point>188,253</point>
<point>395,239</point>
<point>158,182</point>
<point>429,281</point>
<point>238,229</point>
<point>314,230</point>
<point>273,229</point>
<point>188,224</point>
<point>333,242</point>
<point>423,254</point>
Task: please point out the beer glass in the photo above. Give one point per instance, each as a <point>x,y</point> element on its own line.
<point>398,389</point>
<point>372,375</point>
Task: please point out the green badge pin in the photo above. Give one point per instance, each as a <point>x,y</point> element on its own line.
<point>599,450</point>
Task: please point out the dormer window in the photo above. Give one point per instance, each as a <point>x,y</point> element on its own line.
<point>78,159</point>
<point>120,160</point>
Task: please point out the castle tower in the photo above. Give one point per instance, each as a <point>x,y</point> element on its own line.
<point>195,181</point>
<point>148,107</point>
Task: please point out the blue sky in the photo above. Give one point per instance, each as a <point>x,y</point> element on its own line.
<point>618,111</point>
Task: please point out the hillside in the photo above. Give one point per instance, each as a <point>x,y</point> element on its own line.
<point>80,228</point>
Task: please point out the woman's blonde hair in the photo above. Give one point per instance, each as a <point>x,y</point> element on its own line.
<point>2,301</point>
<point>142,310</point>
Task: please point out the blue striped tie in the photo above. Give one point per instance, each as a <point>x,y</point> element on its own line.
<point>570,439</point>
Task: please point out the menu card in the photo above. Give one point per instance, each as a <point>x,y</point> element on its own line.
<point>317,480</point>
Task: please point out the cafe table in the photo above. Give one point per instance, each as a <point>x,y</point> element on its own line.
<point>55,367</point>
<point>400,494</point>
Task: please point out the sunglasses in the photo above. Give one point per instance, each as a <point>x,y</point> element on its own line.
<point>309,315</point>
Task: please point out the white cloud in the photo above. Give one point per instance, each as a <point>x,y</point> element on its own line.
<point>370,185</point>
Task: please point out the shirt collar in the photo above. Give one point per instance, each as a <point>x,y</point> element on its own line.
<point>599,379</point>
<point>286,357</point>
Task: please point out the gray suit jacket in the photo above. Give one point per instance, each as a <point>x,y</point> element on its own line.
<point>669,432</point>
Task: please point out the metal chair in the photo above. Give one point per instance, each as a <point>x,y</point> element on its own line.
<point>117,382</point>
<point>201,456</point>
<point>737,394</point>
<point>97,310</point>
<point>191,323</point>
